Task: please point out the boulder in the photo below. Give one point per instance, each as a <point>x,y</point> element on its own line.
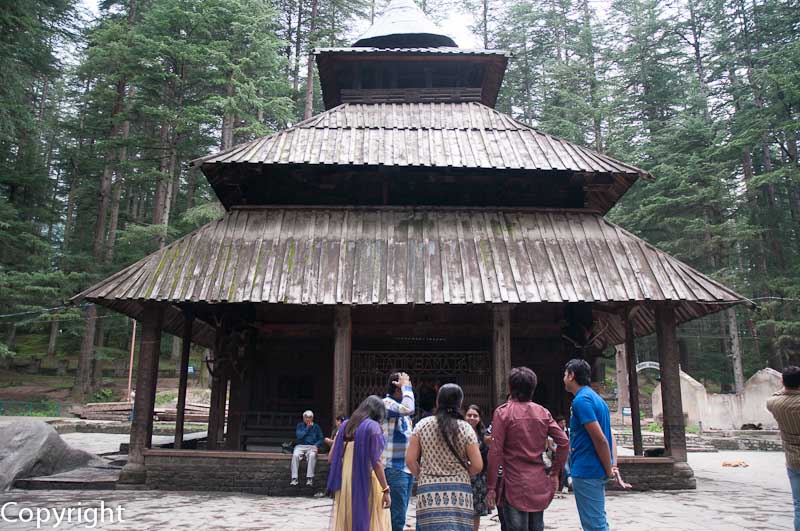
<point>30,447</point>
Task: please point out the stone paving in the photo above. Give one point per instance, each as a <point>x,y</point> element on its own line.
<point>727,499</point>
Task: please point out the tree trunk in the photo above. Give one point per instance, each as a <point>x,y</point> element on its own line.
<point>119,184</point>
<point>11,338</point>
<point>83,377</point>
<point>104,192</point>
<point>309,109</point>
<point>168,191</point>
<point>228,118</point>
<point>104,199</point>
<point>97,364</point>
<point>53,339</point>
<point>485,23</point>
<point>163,178</point>
<point>298,48</point>
<point>114,221</point>
<point>191,185</point>
<point>736,351</point>
<point>175,354</point>
<point>593,99</point>
<point>68,221</point>
<point>136,205</point>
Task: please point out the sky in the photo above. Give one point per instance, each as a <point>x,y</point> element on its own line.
<point>455,26</point>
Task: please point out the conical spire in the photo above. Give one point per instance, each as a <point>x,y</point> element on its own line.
<point>403,25</point>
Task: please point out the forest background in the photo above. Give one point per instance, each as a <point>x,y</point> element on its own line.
<point>102,109</point>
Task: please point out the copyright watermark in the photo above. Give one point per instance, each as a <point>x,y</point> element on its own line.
<point>51,517</point>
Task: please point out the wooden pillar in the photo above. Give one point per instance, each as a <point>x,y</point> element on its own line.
<point>501,350</point>
<point>216,412</point>
<point>621,360</point>
<point>219,401</point>
<point>237,376</point>
<point>668,358</point>
<point>633,384</point>
<point>186,347</point>
<point>342,346</point>
<point>152,391</point>
<point>234,413</point>
<point>144,402</point>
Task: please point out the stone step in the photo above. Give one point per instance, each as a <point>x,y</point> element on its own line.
<point>87,478</point>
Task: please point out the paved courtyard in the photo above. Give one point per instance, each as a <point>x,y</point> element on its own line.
<point>753,498</point>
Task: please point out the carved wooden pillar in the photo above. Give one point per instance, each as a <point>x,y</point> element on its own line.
<point>146,382</point>
<point>343,333</point>
<point>238,374</point>
<point>183,378</point>
<point>668,358</point>
<point>234,413</point>
<point>633,383</point>
<point>501,350</point>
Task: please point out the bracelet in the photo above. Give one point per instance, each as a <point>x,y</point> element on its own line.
<point>385,489</point>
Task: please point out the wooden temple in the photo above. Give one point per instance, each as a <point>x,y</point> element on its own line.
<point>408,226</point>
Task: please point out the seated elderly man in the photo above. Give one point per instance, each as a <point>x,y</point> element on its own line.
<point>307,443</point>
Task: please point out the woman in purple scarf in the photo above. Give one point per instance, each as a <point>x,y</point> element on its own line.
<point>356,475</point>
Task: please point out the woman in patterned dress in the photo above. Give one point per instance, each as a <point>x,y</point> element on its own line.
<point>357,479</point>
<point>443,453</point>
<point>474,418</point>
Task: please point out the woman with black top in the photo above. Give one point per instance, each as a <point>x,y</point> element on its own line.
<point>474,418</point>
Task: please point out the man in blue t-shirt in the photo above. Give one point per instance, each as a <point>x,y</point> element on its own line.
<point>592,451</point>
<point>308,441</point>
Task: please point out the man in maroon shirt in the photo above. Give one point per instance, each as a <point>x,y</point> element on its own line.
<point>519,431</point>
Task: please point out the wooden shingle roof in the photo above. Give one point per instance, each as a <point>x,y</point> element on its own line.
<point>384,255</point>
<point>431,135</point>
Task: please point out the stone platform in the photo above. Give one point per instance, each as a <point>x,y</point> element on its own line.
<point>249,472</point>
<point>656,473</point>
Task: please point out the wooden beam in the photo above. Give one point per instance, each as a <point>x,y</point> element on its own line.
<point>669,360</point>
<point>342,349</point>
<point>501,350</point>
<point>633,383</point>
<point>186,348</point>
<point>144,402</point>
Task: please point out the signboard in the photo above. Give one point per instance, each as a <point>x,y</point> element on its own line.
<point>191,370</point>
<point>626,412</point>
<point>648,365</point>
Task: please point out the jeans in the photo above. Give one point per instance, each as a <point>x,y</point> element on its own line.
<point>794,481</point>
<point>400,484</point>
<point>309,451</point>
<point>590,497</point>
<point>521,521</point>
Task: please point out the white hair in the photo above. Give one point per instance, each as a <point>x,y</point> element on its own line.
<point>308,413</point>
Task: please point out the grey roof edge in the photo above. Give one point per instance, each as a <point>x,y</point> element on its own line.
<point>735,298</point>
<point>202,160</point>
<point>634,169</point>
<point>444,50</point>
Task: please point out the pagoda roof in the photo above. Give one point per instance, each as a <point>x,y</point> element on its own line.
<point>407,255</point>
<point>427,135</point>
<point>404,24</point>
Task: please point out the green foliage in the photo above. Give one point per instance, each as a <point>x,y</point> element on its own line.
<point>704,95</point>
<point>42,408</point>
<point>104,394</point>
<point>165,398</point>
